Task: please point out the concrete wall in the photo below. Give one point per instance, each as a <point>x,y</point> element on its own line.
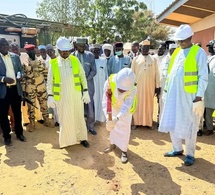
<point>204,31</point>
<point>203,37</point>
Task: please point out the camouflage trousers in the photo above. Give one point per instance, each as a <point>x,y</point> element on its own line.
<point>37,91</point>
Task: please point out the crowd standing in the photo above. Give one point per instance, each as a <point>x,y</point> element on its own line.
<point>75,85</point>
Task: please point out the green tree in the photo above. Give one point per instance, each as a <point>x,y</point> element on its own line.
<point>146,26</point>
<point>104,18</point>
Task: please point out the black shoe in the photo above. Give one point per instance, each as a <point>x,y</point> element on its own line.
<point>93,132</point>
<point>25,124</point>
<point>56,124</point>
<point>8,142</point>
<point>22,138</point>
<point>40,121</point>
<point>85,143</point>
<point>199,133</point>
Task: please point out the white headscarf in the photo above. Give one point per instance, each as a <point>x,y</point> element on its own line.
<point>109,47</point>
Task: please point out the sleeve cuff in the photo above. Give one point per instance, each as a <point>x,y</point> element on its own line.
<point>2,79</point>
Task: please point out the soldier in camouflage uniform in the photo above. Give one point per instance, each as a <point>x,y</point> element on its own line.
<point>35,86</point>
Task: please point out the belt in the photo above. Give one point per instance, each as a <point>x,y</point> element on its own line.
<point>11,86</point>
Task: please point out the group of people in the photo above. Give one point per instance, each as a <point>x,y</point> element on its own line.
<point>77,84</point>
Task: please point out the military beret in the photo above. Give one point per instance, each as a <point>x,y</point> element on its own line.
<point>29,47</point>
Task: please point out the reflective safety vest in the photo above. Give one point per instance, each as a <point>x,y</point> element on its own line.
<point>56,76</point>
<point>190,69</point>
<point>113,98</point>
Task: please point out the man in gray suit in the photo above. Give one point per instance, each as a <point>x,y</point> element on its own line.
<point>10,92</point>
<point>87,60</point>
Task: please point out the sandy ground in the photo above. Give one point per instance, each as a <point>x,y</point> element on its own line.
<point>39,167</point>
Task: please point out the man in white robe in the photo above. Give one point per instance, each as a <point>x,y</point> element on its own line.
<point>107,50</point>
<point>186,85</point>
<point>123,94</point>
<point>99,80</point>
<point>70,104</point>
<point>164,72</point>
<point>161,54</point>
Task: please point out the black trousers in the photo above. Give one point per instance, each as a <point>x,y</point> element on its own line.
<point>14,100</point>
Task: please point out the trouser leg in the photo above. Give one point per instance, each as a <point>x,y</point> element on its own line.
<point>5,125</point>
<point>89,112</point>
<point>16,108</point>
<point>176,142</point>
<point>209,118</point>
<point>42,98</point>
<point>190,141</point>
<point>32,95</point>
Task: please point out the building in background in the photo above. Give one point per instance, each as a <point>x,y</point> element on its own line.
<point>199,14</point>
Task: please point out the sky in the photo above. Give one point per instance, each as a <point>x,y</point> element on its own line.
<point>28,7</point>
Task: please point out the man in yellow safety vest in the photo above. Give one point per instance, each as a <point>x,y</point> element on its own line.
<point>185,87</point>
<point>66,83</point>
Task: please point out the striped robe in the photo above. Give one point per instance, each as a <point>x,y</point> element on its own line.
<point>70,106</point>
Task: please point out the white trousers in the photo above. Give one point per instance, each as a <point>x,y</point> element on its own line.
<point>190,143</point>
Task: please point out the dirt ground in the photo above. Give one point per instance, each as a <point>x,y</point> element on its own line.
<point>39,167</point>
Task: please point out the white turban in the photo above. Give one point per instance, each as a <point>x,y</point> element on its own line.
<point>125,79</point>
<point>109,47</point>
<point>63,44</point>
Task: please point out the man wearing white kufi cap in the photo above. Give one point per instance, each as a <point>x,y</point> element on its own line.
<point>148,83</point>
<point>66,82</point>
<point>123,92</point>
<point>185,87</point>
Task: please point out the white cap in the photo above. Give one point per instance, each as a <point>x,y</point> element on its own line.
<point>172,46</point>
<point>63,44</point>
<point>183,32</point>
<point>125,79</point>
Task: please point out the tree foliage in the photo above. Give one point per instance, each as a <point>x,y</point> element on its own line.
<point>105,18</point>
